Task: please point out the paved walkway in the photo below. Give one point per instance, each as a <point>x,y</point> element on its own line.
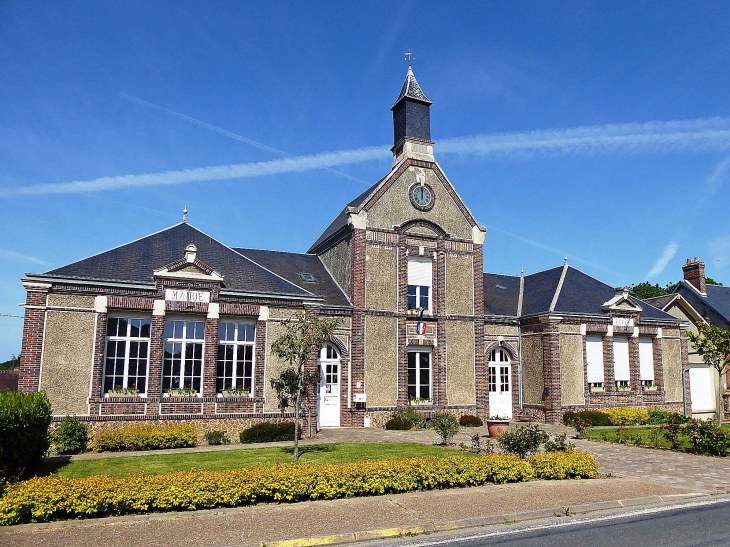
<point>686,471</point>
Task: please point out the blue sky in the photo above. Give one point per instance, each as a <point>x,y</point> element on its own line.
<point>592,129</point>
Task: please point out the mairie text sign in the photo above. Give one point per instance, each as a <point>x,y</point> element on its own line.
<point>185,295</point>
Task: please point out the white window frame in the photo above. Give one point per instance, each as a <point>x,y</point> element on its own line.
<point>127,339</point>
<point>595,375</point>
<point>184,341</point>
<point>646,361</point>
<point>504,361</point>
<point>419,279</point>
<point>418,385</point>
<point>236,343</point>
<point>621,362</point>
<point>329,356</point>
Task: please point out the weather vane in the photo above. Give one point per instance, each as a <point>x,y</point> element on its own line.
<point>408,56</point>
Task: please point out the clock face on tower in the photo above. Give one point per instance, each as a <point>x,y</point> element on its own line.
<point>421,196</point>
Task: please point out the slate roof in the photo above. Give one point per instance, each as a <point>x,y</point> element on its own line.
<point>501,294</point>
<point>136,261</point>
<point>411,90</point>
<point>660,302</point>
<point>715,305</point>
<point>579,294</point>
<point>290,266</point>
<point>340,220</point>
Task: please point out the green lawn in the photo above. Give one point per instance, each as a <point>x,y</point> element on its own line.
<point>646,434</point>
<point>232,459</point>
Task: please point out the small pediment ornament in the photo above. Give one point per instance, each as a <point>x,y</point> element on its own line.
<point>621,302</point>
<point>189,267</point>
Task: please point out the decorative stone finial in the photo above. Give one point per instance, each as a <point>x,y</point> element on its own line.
<point>566,260</point>
<point>191,252</point>
<point>185,214</point>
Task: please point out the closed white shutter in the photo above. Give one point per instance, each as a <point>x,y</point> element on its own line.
<point>594,358</point>
<point>621,359</point>
<point>419,271</point>
<point>646,359</point>
<point>702,391</point>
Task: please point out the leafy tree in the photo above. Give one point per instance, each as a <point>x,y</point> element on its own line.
<point>713,344</point>
<point>303,337</point>
<point>13,362</point>
<point>710,281</point>
<point>647,290</point>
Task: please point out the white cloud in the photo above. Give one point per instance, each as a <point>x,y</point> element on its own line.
<point>7,253</point>
<point>669,251</point>
<point>696,135</point>
<point>715,180</point>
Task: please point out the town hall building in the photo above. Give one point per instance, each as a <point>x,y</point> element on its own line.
<point>179,326</point>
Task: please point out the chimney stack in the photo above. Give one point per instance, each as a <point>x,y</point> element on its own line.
<point>694,274</point>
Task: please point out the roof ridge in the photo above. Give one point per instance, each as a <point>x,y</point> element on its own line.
<point>274,251</point>
<point>558,288</point>
<point>495,273</point>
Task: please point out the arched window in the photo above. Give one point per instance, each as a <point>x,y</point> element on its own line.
<point>329,351</point>
<point>499,356</point>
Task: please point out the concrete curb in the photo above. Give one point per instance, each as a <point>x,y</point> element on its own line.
<point>476,522</point>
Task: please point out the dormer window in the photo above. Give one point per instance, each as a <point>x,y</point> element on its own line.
<point>419,283</point>
<point>307,277</point>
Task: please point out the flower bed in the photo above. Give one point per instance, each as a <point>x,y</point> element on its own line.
<point>53,498</point>
<point>146,437</point>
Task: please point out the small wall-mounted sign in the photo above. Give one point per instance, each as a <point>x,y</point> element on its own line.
<point>421,328</point>
<point>624,322</point>
<point>359,397</point>
<point>185,295</point>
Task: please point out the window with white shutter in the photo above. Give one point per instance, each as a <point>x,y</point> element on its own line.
<point>594,359</point>
<point>646,361</point>
<point>621,370</point>
<point>419,282</point>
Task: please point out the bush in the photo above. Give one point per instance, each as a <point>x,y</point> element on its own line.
<point>71,436</point>
<point>397,424</point>
<point>55,497</point>
<point>569,417</point>
<point>559,443</point>
<point>657,417</point>
<point>522,441</point>
<point>564,465</point>
<point>626,415</point>
<point>217,437</point>
<point>707,438</point>
<point>269,432</point>
<point>593,418</point>
<point>470,421</point>
<point>24,437</point>
<point>409,415</point>
<point>446,425</point>
<point>146,437</point>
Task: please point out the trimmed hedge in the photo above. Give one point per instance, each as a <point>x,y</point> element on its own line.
<point>470,421</point>
<point>146,437</point>
<point>53,498</point>
<point>268,432</point>
<point>25,419</point>
<point>623,416</point>
<point>398,425</point>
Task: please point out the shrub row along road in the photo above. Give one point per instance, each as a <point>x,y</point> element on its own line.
<point>693,524</point>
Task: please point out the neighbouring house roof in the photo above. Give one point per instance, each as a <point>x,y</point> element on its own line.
<point>340,220</point>
<point>9,380</point>
<point>661,302</point>
<point>543,292</point>
<point>136,261</point>
<point>714,306</point>
<point>291,266</point>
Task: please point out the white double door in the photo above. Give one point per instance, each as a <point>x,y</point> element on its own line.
<point>500,384</point>
<point>328,402</point>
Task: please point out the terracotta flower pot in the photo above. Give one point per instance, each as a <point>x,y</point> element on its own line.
<point>497,427</point>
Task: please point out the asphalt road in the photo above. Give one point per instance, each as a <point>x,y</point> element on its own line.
<point>706,525</point>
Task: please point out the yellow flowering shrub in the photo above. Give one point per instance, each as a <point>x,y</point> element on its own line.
<point>146,437</point>
<point>626,415</point>
<point>564,465</point>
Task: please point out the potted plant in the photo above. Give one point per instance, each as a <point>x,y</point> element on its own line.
<point>497,425</point>
<point>186,391</point>
<point>120,391</point>
<point>524,416</point>
<point>236,392</point>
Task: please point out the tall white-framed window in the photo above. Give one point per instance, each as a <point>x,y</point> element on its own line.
<point>419,282</point>
<point>127,354</point>
<point>499,363</point>
<point>235,357</point>
<point>182,367</point>
<point>419,374</point>
<point>594,361</point>
<point>646,361</point>
<point>621,368</point>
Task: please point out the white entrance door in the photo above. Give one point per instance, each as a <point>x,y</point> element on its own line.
<point>500,384</point>
<point>328,403</point>
<point>702,389</point>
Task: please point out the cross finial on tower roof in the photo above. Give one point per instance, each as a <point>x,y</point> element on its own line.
<point>185,214</point>
<point>408,56</point>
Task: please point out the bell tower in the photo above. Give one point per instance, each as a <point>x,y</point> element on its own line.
<point>411,121</point>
